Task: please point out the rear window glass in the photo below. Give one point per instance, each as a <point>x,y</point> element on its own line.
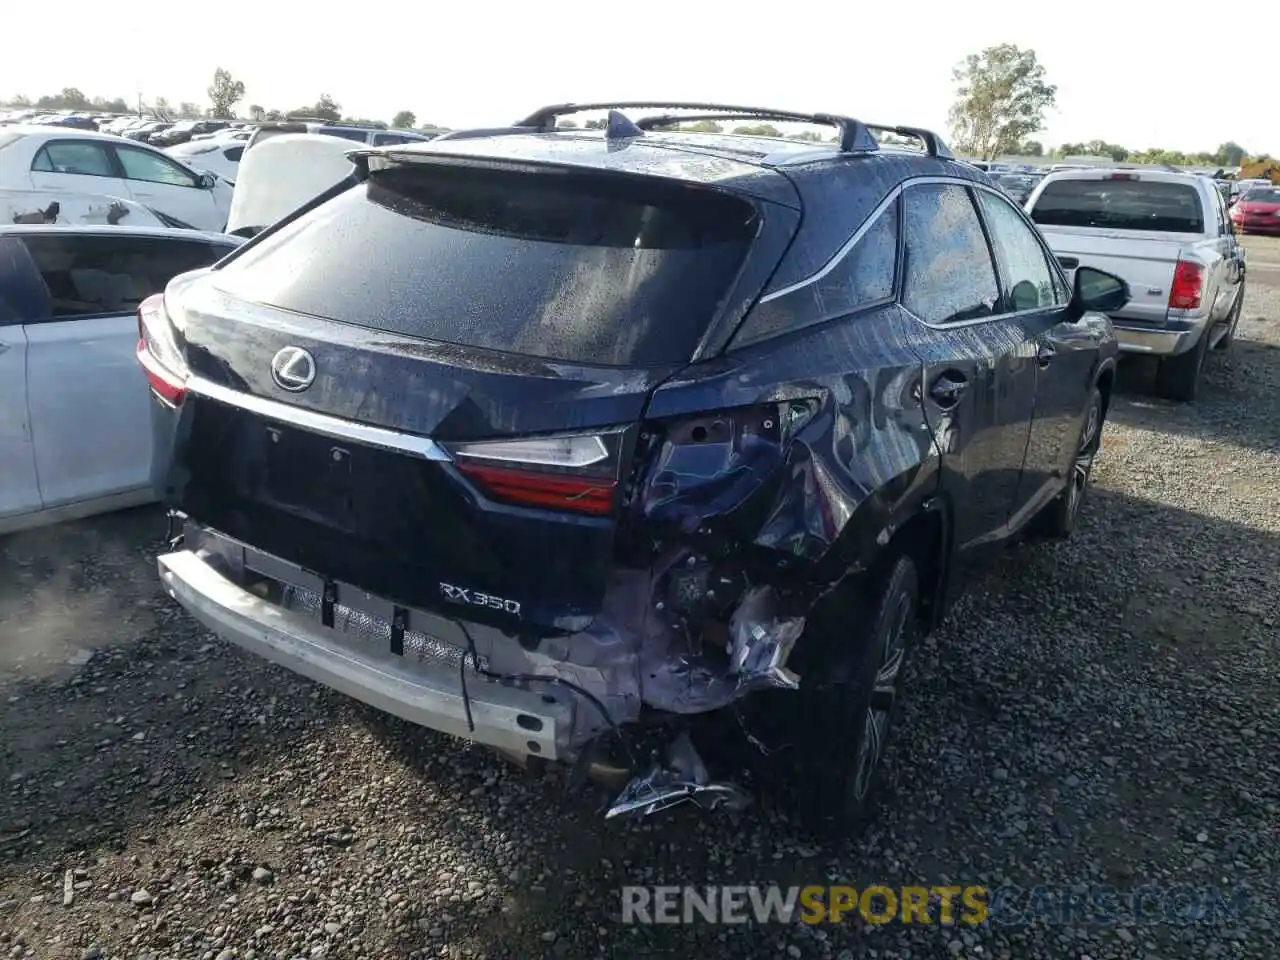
<point>1263,195</point>
<point>582,267</point>
<point>1121,205</point>
<point>359,136</point>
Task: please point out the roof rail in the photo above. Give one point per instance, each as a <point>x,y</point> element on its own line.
<point>482,132</point>
<point>933,144</point>
<point>854,136</point>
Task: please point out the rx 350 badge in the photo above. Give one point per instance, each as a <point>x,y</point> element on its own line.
<point>474,598</point>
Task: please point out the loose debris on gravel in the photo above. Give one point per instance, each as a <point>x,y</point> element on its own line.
<point>1101,711</point>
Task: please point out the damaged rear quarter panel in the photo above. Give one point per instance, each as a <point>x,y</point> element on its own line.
<point>862,464</point>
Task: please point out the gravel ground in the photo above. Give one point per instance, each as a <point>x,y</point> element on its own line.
<point>1101,711</point>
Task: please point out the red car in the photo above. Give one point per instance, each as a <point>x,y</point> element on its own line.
<point>1258,211</point>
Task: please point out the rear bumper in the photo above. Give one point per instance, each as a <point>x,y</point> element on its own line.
<point>1157,342</point>
<point>518,721</point>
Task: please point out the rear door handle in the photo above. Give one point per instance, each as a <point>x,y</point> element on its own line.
<point>1045,353</point>
<point>948,388</point>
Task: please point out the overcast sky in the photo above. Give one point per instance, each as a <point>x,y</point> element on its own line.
<point>1135,72</point>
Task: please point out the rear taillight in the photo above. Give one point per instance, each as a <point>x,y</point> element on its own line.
<point>1188,279</point>
<point>158,352</point>
<point>576,473</point>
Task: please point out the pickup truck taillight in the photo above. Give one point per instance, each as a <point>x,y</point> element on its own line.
<point>158,352</point>
<point>1188,280</point>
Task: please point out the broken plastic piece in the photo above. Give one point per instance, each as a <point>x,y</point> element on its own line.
<point>761,643</point>
<point>684,778</point>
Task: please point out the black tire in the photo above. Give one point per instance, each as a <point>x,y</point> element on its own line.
<point>1178,377</point>
<point>839,739</point>
<point>1057,521</point>
<point>1232,322</point>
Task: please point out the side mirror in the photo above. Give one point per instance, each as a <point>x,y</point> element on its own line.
<point>1097,292</point>
<point>208,181</point>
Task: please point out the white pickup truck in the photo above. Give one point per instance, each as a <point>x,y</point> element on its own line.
<point>1168,235</point>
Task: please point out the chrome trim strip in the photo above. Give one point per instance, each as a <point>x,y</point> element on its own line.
<point>322,423</point>
<point>866,225</point>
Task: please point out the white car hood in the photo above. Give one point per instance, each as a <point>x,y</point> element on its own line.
<point>282,173</point>
<point>64,207</point>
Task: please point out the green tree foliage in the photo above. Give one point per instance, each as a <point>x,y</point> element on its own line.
<point>758,130</point>
<point>326,108</point>
<point>404,120</point>
<point>1001,97</point>
<point>189,111</point>
<point>1031,148</point>
<point>224,93</point>
<point>807,135</point>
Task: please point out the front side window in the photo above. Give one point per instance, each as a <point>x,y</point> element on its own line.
<point>1025,275</point>
<point>948,275</point>
<point>154,168</point>
<point>98,275</point>
<point>75,157</point>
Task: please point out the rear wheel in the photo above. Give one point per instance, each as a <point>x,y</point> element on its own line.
<point>1178,377</point>
<point>1058,519</point>
<point>842,729</point>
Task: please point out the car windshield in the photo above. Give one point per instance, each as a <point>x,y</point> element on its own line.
<point>1121,204</point>
<point>1263,195</point>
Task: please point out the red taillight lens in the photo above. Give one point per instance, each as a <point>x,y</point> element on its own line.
<point>574,473</point>
<point>1188,279</point>
<point>547,491</point>
<point>158,354</point>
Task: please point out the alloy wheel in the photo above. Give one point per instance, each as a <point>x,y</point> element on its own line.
<point>884,694</point>
<point>1085,454</point>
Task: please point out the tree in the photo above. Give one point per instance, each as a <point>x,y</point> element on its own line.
<point>594,125</point>
<point>224,94</point>
<point>758,130</point>
<point>274,115</point>
<point>1230,154</point>
<point>1001,97</point>
<point>161,107</point>
<point>704,126</point>
<point>326,108</point>
<point>188,110</point>
<point>566,125</point>
<point>807,135</point>
<point>1031,148</point>
<point>20,101</point>
<point>404,120</point>
<point>256,113</point>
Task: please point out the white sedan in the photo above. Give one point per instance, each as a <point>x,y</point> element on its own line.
<point>78,161</point>
<point>75,421</point>
<point>220,155</point>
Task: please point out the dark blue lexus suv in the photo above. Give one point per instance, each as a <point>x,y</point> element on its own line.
<point>626,447</point>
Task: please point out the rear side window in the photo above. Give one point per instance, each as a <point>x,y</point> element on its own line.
<point>949,276</point>
<point>71,156</point>
<point>576,266</point>
<point>864,277</point>
<point>1121,205</point>
<point>97,275</point>
<point>233,154</point>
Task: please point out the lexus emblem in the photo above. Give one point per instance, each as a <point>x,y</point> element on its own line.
<point>293,369</point>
